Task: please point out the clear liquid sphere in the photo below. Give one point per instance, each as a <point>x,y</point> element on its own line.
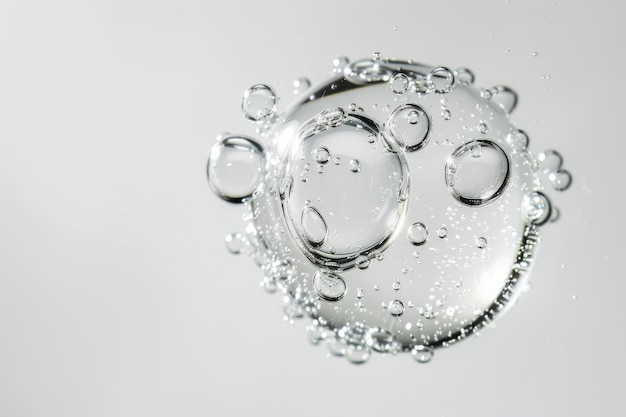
<point>398,219</point>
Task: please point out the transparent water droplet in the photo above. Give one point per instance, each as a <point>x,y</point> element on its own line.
<point>440,80</point>
<point>442,232</point>
<point>418,234</point>
<point>481,243</point>
<point>445,114</point>
<point>355,165</point>
<point>536,208</point>
<point>377,56</point>
<point>550,161</point>
<point>396,285</point>
<point>234,243</point>
<point>465,76</point>
<point>407,128</point>
<point>259,102</point>
<point>477,172</point>
<point>300,85</point>
<point>314,226</point>
<point>329,286</point>
<point>422,354</point>
<point>357,354</point>
<point>396,308</point>
<point>518,140</point>
<point>561,180</point>
<point>504,97</point>
<point>483,127</point>
<point>321,154</point>
<point>339,64</point>
<point>236,168</point>
<point>399,83</point>
<point>379,340</point>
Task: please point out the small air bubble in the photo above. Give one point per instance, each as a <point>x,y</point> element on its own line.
<point>355,165</point>
<point>396,308</point>
<point>481,243</point>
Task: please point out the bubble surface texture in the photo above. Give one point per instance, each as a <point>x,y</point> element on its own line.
<point>396,205</point>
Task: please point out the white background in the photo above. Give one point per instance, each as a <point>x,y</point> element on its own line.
<point>117,296</point>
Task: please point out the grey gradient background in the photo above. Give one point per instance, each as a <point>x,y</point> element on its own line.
<point>117,296</point>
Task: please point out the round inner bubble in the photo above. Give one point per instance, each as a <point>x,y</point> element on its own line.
<point>324,209</point>
<point>407,127</point>
<point>236,167</point>
<point>477,172</point>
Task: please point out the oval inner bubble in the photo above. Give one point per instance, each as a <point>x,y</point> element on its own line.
<point>329,286</point>
<point>236,168</point>
<point>362,201</point>
<point>259,102</point>
<point>314,226</point>
<point>417,234</point>
<point>407,127</point>
<point>477,172</point>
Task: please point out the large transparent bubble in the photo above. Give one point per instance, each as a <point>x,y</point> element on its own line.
<point>399,209</point>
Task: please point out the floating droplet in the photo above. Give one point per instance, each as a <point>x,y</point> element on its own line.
<point>397,285</point>
<point>399,83</point>
<point>481,243</point>
<point>407,128</point>
<point>362,262</point>
<point>329,286</point>
<point>465,76</point>
<point>321,154</point>
<point>236,168</point>
<point>503,97</point>
<point>376,56</point>
<point>440,80</point>
<point>258,103</point>
<point>422,354</point>
<point>518,140</point>
<point>418,234</point>
<point>477,172</point>
<point>234,243</point>
<point>536,208</point>
<point>442,232</point>
<point>445,114</point>
<point>339,64</point>
<point>396,308</point>
<point>355,165</point>
<point>300,85</point>
<point>560,180</point>
<point>314,226</point>
<point>483,127</point>
<point>550,161</point>
<point>379,340</point>
<point>358,354</point>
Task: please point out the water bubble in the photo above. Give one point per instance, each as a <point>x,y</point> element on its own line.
<point>376,56</point>
<point>445,114</point>
<point>481,243</point>
<point>236,168</point>
<point>379,340</point>
<point>339,64</point>
<point>518,140</point>
<point>477,172</point>
<point>550,161</point>
<point>362,262</point>
<point>483,127</point>
<point>422,354</point>
<point>355,165</point>
<point>234,243</point>
<point>258,103</point>
<point>314,226</point>
<point>396,308</point>
<point>442,232</point>
<point>399,83</point>
<point>560,180</point>
<point>330,117</point>
<point>329,286</point>
<point>418,234</point>
<point>396,285</point>
<point>504,97</point>
<point>321,154</point>
<point>440,80</point>
<point>407,128</point>
<point>465,76</point>
<point>358,354</point>
<point>300,85</point>
<point>536,208</point>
